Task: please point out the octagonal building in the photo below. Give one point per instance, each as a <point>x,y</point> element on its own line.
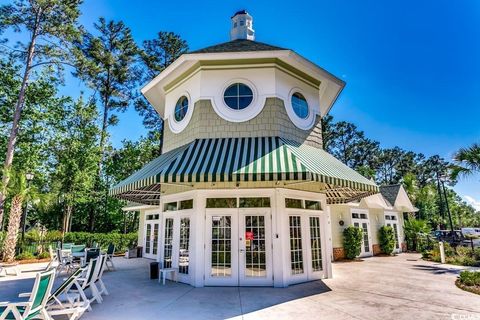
<point>241,194</point>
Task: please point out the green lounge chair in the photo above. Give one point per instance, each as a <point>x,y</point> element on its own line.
<point>35,306</point>
<point>63,301</point>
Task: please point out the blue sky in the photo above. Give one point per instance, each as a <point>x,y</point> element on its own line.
<point>412,67</point>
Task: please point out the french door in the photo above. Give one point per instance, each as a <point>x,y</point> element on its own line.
<point>238,247</point>
<point>391,220</point>
<point>360,220</point>
<point>176,245</point>
<point>150,246</point>
<point>306,243</point>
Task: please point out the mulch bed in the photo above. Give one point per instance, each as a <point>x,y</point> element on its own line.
<point>472,289</point>
<point>27,261</point>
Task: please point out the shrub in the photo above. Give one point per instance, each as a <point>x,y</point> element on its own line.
<point>25,256</point>
<point>121,241</point>
<point>43,255</point>
<point>470,278</point>
<point>352,241</point>
<point>387,239</point>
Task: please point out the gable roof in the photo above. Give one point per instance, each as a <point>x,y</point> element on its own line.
<point>390,193</point>
<point>239,45</point>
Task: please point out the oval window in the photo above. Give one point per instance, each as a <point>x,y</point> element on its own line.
<point>181,108</point>
<point>300,105</point>
<point>238,96</point>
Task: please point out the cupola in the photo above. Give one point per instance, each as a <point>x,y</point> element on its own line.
<point>242,26</point>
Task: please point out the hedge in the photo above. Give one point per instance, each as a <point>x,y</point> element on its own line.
<point>352,241</point>
<point>35,243</point>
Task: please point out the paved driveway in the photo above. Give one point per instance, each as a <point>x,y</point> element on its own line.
<point>401,287</point>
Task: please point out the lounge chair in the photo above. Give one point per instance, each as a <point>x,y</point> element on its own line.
<point>110,252</point>
<point>103,264</point>
<point>88,280</point>
<point>63,301</point>
<point>35,306</point>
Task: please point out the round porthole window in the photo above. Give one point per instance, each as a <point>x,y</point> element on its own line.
<point>300,105</point>
<point>238,96</point>
<point>181,108</point>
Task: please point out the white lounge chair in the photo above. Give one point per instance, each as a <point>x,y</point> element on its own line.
<point>103,264</point>
<point>88,279</point>
<point>35,306</point>
<point>9,269</point>
<point>63,301</point>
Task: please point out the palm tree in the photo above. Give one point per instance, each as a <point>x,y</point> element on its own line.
<point>467,161</point>
<point>414,230</point>
<point>18,186</point>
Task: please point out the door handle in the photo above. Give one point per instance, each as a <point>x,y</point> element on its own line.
<point>241,250</point>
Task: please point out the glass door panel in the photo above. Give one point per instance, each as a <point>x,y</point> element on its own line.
<point>184,254</point>
<point>366,243</point>
<point>296,250</point>
<point>255,247</point>
<point>221,249</point>
<point>315,244</point>
<point>155,239</point>
<point>168,243</point>
<point>148,234</point>
<point>221,260</point>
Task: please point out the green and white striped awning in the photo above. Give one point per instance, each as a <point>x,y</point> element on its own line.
<point>242,159</point>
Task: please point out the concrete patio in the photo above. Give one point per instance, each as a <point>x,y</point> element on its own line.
<point>398,287</point>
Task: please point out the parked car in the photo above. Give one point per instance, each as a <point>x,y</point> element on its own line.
<point>454,239</point>
<point>471,231</point>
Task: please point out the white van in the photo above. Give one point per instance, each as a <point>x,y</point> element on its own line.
<point>471,231</point>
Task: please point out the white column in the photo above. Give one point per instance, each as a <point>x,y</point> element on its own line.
<point>197,229</point>
<point>329,249</point>
<point>280,241</point>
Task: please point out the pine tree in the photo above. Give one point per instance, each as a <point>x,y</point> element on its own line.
<point>156,55</point>
<point>51,26</point>
<point>107,64</point>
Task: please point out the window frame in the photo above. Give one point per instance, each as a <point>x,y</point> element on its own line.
<point>301,123</point>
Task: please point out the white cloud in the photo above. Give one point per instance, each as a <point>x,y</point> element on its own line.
<point>473,202</point>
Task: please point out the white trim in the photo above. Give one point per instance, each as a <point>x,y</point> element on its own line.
<point>248,113</point>
<point>303,124</point>
<point>179,126</point>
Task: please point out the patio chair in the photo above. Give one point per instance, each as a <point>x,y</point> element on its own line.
<point>88,280</point>
<point>91,253</point>
<point>35,306</point>
<point>63,301</point>
<point>110,252</point>
<point>67,246</point>
<point>103,264</point>
<point>65,262</point>
<point>53,258</point>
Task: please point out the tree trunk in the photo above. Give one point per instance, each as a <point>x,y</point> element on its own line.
<point>67,213</point>
<point>12,139</point>
<point>103,139</point>
<point>10,242</point>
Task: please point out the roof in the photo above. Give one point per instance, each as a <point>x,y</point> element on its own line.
<point>239,45</point>
<point>240,12</point>
<point>390,193</point>
<point>244,159</point>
